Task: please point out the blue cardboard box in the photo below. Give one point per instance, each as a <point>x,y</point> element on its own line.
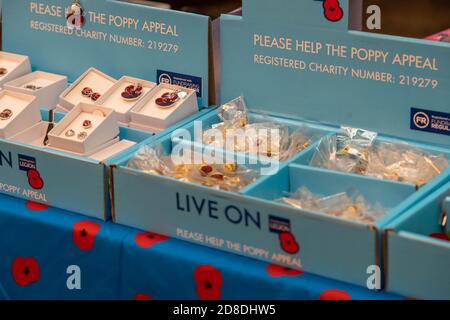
<point>296,62</point>
<point>118,38</point>
<point>417,264</point>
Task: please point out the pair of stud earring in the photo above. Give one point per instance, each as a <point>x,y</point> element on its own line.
<point>87,124</point>
<point>89,93</point>
<point>81,136</point>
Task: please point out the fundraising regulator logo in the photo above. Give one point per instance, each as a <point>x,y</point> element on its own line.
<point>430,121</point>
<point>421,120</point>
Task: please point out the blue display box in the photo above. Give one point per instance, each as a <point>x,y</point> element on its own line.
<point>117,38</point>
<point>281,79</point>
<point>417,264</point>
<point>240,223</point>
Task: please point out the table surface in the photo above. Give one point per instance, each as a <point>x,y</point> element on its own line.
<point>47,253</point>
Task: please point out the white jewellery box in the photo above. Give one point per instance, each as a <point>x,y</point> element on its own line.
<point>13,66</point>
<point>35,135</point>
<point>18,112</point>
<point>98,82</point>
<point>46,87</point>
<point>86,129</point>
<point>124,95</point>
<point>158,110</point>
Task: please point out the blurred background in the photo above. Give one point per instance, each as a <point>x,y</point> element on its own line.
<point>410,18</point>
<point>413,18</point>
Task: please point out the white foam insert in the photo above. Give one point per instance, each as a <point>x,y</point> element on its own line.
<point>104,128</point>
<point>147,114</point>
<point>25,110</point>
<point>33,136</point>
<point>17,66</point>
<point>92,78</point>
<point>52,85</point>
<point>113,98</point>
<point>112,150</point>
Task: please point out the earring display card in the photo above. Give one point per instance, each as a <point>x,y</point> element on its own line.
<point>13,66</point>
<point>84,129</point>
<point>46,87</point>
<point>18,112</point>
<point>124,95</point>
<point>163,107</point>
<point>88,88</point>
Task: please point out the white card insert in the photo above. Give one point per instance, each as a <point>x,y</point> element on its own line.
<point>66,134</point>
<point>148,115</point>
<point>113,98</point>
<point>15,64</point>
<point>92,78</point>
<point>24,112</point>
<point>48,87</point>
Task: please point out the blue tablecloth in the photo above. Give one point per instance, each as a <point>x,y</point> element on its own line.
<point>45,251</point>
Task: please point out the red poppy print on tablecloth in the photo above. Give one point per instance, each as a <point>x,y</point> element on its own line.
<point>147,239</point>
<point>334,294</point>
<point>34,206</point>
<point>208,282</point>
<point>142,297</point>
<point>83,234</point>
<point>25,271</point>
<point>275,270</point>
